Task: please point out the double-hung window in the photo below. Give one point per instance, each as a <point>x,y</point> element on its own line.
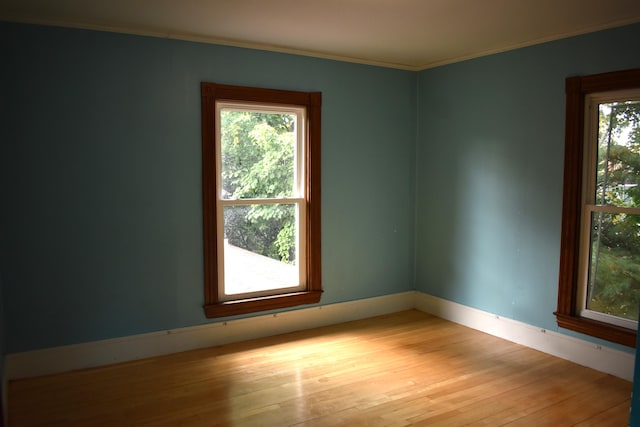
<point>609,273</point>
<point>261,192</point>
<point>599,291</point>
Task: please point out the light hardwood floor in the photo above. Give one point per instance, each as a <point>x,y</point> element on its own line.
<point>407,368</point>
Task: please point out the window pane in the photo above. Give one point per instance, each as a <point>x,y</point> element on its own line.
<point>260,248</point>
<point>258,154</point>
<point>618,154</point>
<point>614,271</point>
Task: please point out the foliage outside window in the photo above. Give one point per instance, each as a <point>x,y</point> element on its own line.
<point>599,286</point>
<point>261,184</point>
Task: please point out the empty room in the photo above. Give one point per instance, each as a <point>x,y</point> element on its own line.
<point>319,213</point>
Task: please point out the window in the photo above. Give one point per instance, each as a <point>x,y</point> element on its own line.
<point>261,194</point>
<point>599,284</point>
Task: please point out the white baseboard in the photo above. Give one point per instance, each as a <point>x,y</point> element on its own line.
<point>134,347</point>
<point>106,352</point>
<point>585,353</point>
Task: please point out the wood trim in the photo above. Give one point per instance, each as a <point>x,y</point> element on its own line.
<point>208,189</point>
<point>615,80</point>
<point>312,101</point>
<point>314,191</point>
<point>597,329</point>
<point>254,94</point>
<point>576,90</point>
<point>252,305</point>
<point>569,242</point>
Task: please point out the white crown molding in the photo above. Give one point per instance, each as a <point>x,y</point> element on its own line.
<point>138,31</point>
<point>141,31</point>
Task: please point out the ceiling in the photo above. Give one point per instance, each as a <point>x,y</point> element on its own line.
<point>405,34</point>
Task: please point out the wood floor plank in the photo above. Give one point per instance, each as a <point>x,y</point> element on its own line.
<point>407,368</point>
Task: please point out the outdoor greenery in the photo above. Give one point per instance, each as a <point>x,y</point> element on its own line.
<point>614,276</point>
<point>258,163</point>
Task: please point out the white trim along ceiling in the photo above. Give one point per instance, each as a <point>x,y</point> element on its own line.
<point>403,34</point>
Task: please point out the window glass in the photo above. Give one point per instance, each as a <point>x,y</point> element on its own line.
<point>258,153</point>
<point>611,251</point>
<point>260,248</point>
<point>618,155</point>
<point>614,274</point>
<point>260,162</point>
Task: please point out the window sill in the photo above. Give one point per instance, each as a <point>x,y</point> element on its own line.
<point>598,329</point>
<point>252,305</point>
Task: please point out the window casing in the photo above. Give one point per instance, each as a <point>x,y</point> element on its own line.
<point>580,205</point>
<point>222,202</point>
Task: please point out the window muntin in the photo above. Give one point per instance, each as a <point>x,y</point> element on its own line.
<point>609,277</point>
<point>231,197</point>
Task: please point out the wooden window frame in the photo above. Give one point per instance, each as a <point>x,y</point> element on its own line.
<point>577,88</point>
<point>312,102</point>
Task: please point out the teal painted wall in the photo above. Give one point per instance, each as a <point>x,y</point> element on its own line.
<point>448,181</point>
<point>100,171</point>
<point>490,141</point>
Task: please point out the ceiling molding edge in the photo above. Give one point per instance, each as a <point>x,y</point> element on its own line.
<point>201,39</point>
<point>542,40</point>
<point>308,53</point>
